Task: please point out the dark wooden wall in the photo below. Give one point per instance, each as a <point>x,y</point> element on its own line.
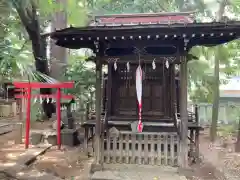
<point>158,94</point>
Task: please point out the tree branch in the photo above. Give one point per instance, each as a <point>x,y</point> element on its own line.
<point>161,6</point>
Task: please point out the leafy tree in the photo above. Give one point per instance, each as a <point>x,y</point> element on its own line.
<point>34,16</point>
<point>82,75</point>
<point>235,8</point>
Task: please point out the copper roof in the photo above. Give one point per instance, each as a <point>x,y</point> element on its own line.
<point>144,18</point>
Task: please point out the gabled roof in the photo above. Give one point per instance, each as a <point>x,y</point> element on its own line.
<point>143,18</point>
<point>178,28</point>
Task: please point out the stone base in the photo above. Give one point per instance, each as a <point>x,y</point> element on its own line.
<point>137,172</point>
<point>69,137</point>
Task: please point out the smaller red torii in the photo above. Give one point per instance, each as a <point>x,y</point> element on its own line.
<point>27,89</point>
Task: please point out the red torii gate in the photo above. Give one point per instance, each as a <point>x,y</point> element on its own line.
<point>27,89</point>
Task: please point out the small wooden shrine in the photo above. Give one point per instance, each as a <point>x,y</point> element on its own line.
<point>230,92</point>
<point>141,115</point>
<point>229,100</point>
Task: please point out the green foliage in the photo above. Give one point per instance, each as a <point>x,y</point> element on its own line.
<point>15,48</point>
<point>235,6</point>
<point>227,130</point>
<point>201,76</point>
<point>75,11</point>
<point>82,75</point>
<point>15,56</point>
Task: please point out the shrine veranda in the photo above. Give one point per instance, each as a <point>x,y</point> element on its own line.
<point>159,44</point>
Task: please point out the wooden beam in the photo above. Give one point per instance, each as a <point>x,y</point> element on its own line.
<point>97,140</point>
<point>38,85</point>
<point>183,153</point>
<point>45,96</point>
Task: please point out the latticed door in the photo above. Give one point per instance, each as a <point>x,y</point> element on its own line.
<point>125,94</point>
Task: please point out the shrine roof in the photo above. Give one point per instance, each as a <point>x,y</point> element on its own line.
<point>167,27</point>
<point>142,18</point>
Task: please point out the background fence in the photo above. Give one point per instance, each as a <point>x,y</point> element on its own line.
<point>228,114</point>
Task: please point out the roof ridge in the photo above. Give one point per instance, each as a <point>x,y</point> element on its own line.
<point>145,14</point>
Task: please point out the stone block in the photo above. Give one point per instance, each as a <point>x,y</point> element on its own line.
<point>36,138</point>
<point>52,139</point>
<point>69,137</point>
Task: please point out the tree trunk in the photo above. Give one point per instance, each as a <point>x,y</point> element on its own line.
<point>58,54</point>
<point>31,23</point>
<point>215,107</point>
<point>237,145</point>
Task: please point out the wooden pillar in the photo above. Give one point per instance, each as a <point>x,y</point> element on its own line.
<point>97,140</point>
<point>225,114</point>
<point>109,90</point>
<point>205,114</point>
<point>28,117</point>
<point>173,90</point>
<point>58,110</point>
<point>164,90</point>
<point>197,131</point>
<point>183,154</point>
<point>191,142</point>
<point>85,143</point>
<point>22,109</point>
<point>87,111</point>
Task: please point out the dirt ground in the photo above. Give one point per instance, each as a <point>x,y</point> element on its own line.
<point>219,161</point>
<point>67,163</point>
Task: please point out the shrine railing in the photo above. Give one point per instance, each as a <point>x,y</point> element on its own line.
<point>142,148</point>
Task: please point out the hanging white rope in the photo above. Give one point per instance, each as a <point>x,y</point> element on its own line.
<point>154,64</point>
<point>41,100</point>
<point>128,66</point>
<point>115,65</point>
<point>167,64</point>
<point>35,100</point>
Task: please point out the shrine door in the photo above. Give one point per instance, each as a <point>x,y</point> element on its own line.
<point>124,93</point>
